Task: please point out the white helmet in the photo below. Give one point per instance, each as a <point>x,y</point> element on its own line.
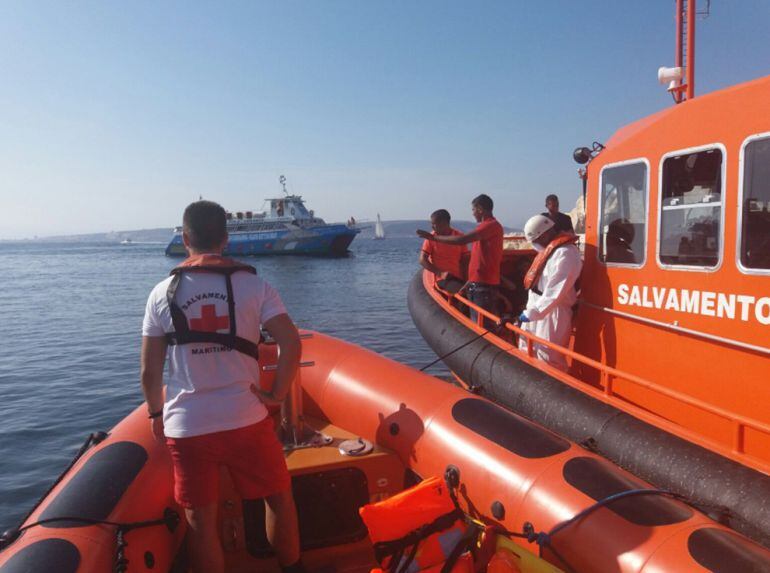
<point>536,226</point>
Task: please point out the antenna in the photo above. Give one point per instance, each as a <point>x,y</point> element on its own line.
<point>282,181</point>
<point>684,68</point>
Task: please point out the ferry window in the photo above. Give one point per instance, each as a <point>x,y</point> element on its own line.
<point>755,231</point>
<point>691,209</point>
<point>623,226</point>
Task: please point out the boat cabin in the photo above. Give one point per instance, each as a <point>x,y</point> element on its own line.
<point>676,279</point>
<point>291,207</point>
<point>278,213</point>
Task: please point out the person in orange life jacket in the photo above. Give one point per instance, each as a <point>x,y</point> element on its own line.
<point>551,280</point>
<point>486,255</point>
<point>448,262</point>
<point>562,221</point>
<point>207,317</point>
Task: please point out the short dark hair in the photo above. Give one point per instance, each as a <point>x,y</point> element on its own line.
<point>205,223</point>
<point>441,215</point>
<point>484,201</point>
<point>552,198</point>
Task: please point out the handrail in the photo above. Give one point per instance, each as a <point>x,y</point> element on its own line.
<point>608,373</point>
<point>683,330</point>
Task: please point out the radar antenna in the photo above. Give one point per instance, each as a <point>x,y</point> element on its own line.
<point>282,181</point>
<point>682,76</point>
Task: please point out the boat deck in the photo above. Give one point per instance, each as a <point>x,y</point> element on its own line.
<point>332,537</point>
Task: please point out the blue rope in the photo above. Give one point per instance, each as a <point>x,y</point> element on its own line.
<point>604,502</point>
<point>543,539</point>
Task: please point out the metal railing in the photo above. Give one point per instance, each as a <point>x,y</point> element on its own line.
<point>608,377</point>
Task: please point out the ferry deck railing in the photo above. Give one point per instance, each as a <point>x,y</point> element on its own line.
<point>608,375</point>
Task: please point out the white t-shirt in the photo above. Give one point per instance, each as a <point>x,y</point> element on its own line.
<point>208,384</point>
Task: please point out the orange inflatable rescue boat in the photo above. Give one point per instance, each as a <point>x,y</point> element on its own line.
<point>519,497</point>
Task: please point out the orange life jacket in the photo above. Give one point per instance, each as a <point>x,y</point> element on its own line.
<point>182,334</point>
<point>537,266</point>
<point>209,262</point>
<point>417,529</point>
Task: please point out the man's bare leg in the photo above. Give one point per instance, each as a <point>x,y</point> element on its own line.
<point>282,527</point>
<point>203,544</point>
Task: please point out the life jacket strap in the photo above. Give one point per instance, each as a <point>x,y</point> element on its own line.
<point>463,544</point>
<point>182,334</point>
<point>242,345</point>
<point>384,549</point>
<point>538,265</point>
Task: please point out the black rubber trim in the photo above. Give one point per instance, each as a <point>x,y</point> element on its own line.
<point>598,480</point>
<point>508,430</point>
<point>722,551</point>
<point>47,555</point>
<point>665,460</point>
<point>95,490</point>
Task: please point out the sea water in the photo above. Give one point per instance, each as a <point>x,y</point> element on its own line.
<point>70,332</point>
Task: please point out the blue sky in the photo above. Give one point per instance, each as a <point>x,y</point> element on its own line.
<point>115,115</point>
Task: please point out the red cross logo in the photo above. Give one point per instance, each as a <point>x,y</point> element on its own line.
<point>209,321</point>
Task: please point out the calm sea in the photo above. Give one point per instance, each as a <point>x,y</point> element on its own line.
<point>70,331</point>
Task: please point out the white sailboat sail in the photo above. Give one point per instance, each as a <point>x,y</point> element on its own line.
<point>379,230</point>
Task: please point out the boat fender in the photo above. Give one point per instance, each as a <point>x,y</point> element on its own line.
<point>537,266</point>
<point>417,529</point>
<point>182,334</point>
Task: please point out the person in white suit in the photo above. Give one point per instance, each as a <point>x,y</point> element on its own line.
<point>551,281</point>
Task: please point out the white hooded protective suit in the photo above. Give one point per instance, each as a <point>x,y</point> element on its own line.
<point>550,313</point>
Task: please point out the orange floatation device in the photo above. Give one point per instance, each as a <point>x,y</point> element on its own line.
<point>537,266</point>
<point>418,529</point>
<point>424,530</point>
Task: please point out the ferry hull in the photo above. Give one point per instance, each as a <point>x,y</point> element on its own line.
<point>331,240</point>
<point>737,495</point>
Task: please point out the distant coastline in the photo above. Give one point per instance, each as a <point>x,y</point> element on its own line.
<point>403,228</point>
<point>161,235</point>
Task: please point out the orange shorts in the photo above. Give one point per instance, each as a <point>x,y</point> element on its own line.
<point>252,454</point>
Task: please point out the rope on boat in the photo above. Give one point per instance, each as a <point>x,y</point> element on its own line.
<point>544,539</point>
<point>170,519</point>
<point>499,326</point>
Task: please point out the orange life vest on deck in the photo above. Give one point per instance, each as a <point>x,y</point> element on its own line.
<point>537,266</point>
<point>417,529</point>
<point>182,333</point>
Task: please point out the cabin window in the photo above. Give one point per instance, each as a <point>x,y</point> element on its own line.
<point>623,227</point>
<point>755,227</point>
<point>691,209</point>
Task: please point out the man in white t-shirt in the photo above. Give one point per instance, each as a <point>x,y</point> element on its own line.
<point>207,316</point>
